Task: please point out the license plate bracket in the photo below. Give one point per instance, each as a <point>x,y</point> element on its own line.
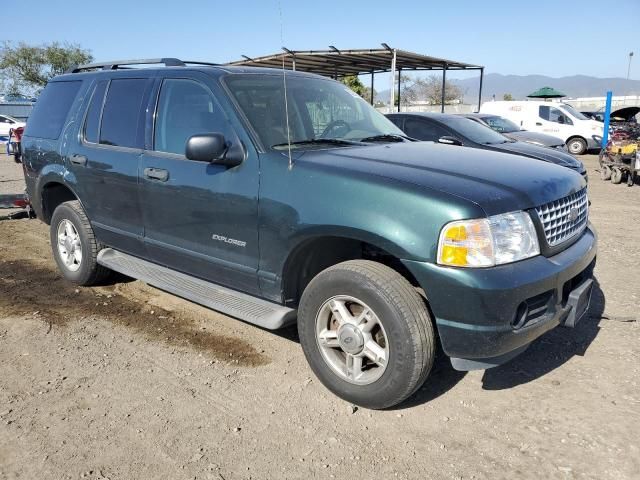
<point>579,300</point>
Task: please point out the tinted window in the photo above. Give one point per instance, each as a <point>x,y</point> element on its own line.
<point>185,108</point>
<point>423,130</point>
<point>122,117</point>
<point>501,125</point>
<point>474,131</point>
<point>92,123</point>
<point>51,109</point>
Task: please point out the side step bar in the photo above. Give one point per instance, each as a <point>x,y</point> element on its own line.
<point>251,309</point>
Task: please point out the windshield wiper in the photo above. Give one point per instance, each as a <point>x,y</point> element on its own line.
<point>385,137</point>
<point>317,141</point>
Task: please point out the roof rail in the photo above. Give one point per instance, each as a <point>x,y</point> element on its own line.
<point>116,64</point>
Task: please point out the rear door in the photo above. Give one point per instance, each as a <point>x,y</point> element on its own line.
<point>106,157</point>
<point>199,218</point>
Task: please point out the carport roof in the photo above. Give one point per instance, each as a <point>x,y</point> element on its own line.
<point>339,63</point>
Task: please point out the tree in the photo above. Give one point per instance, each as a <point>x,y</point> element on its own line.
<point>428,89</point>
<point>508,97</point>
<point>33,66</point>
<point>355,84</point>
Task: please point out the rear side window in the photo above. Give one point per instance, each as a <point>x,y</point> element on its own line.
<point>51,110</point>
<point>122,115</point>
<point>92,123</point>
<point>422,130</point>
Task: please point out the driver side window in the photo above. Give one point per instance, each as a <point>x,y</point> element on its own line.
<point>423,130</point>
<point>554,115</point>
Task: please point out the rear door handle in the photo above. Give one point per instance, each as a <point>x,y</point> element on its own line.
<point>156,174</point>
<point>79,160</point>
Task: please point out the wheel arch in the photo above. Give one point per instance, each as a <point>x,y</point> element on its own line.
<point>52,194</point>
<point>318,252</point>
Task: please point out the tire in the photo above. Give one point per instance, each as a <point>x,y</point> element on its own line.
<point>605,172</point>
<point>79,265</point>
<point>616,175</point>
<point>400,318</point>
<point>577,146</point>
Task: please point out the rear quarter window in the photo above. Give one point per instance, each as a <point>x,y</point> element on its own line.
<point>52,108</point>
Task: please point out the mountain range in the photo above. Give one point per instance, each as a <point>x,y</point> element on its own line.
<point>519,86</point>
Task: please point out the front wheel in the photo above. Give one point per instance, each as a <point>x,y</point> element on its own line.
<point>577,146</point>
<point>616,175</point>
<point>74,245</point>
<point>366,333</point>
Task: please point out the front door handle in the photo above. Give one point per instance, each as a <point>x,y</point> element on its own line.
<point>538,124</point>
<point>79,160</point>
<point>156,174</point>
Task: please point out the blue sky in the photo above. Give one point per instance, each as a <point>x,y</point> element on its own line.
<point>554,38</point>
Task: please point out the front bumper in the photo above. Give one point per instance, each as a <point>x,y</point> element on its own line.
<point>486,316</point>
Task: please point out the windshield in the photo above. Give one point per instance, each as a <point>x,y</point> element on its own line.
<point>573,112</point>
<point>319,109</point>
<point>501,125</point>
<point>473,130</point>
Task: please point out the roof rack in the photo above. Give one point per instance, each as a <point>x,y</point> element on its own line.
<point>117,64</point>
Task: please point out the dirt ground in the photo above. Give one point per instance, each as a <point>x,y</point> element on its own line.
<point>127,382</point>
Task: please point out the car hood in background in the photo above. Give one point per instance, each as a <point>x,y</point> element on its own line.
<point>497,182</point>
<point>541,139</point>
<point>541,153</point>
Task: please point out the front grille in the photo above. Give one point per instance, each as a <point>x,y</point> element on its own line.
<point>564,218</point>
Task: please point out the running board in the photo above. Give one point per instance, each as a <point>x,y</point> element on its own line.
<point>251,309</point>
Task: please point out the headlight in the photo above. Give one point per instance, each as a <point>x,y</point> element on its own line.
<point>486,242</point>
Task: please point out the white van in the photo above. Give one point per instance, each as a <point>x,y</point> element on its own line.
<point>554,118</point>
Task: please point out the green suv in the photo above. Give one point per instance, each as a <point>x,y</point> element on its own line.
<point>283,197</point>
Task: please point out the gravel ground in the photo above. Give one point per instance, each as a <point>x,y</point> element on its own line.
<point>127,382</point>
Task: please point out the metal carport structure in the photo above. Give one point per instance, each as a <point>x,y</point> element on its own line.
<point>337,63</point>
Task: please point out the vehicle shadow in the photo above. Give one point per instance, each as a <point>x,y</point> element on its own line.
<point>551,350</point>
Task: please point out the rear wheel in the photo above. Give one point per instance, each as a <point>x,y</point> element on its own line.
<point>366,333</point>
<point>74,245</point>
<point>605,172</point>
<point>616,175</point>
<point>577,146</point>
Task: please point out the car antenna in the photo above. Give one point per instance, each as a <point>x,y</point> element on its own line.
<point>284,80</point>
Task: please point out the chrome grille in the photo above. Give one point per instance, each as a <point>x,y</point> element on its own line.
<point>564,218</point>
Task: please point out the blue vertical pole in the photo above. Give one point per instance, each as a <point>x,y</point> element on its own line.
<point>607,114</point>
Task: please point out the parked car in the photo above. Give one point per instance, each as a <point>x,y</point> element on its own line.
<point>203,181</point>
<point>458,130</point>
<point>626,114</point>
<point>10,98</point>
<point>514,132</point>
<point>554,118</point>
<point>7,123</point>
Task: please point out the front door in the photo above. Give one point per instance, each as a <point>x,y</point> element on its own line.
<point>199,218</point>
<point>553,121</point>
<point>104,161</point>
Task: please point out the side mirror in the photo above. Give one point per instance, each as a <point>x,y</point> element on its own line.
<point>448,140</point>
<point>213,148</point>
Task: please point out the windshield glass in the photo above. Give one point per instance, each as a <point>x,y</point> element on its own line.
<point>473,130</point>
<point>501,125</point>
<point>318,109</point>
<point>573,112</point>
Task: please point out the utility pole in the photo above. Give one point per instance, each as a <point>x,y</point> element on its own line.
<point>629,67</point>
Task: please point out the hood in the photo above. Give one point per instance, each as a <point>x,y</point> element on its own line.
<point>541,153</point>
<point>626,114</point>
<point>540,139</point>
<point>497,182</point>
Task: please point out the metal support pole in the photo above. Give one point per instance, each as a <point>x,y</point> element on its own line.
<point>607,114</point>
<point>399,83</point>
<point>480,91</point>
<point>293,62</point>
<point>393,81</point>
<point>372,75</point>
<point>444,82</point>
